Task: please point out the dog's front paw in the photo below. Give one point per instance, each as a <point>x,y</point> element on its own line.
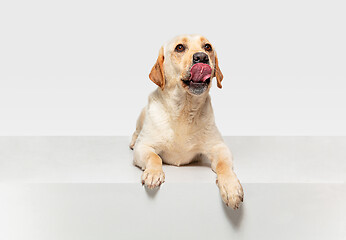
<point>230,189</point>
<point>153,178</point>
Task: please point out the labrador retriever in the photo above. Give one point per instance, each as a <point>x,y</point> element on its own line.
<point>178,123</point>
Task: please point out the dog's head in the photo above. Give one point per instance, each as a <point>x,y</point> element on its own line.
<point>189,62</point>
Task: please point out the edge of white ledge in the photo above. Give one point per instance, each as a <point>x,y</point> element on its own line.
<point>109,160</point>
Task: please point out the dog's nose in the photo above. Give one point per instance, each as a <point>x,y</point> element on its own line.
<point>200,57</point>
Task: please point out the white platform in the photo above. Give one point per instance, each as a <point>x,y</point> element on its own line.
<point>87,188</point>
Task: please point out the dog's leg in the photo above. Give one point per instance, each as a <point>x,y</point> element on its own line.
<point>146,158</point>
<point>139,126</point>
<point>230,188</point>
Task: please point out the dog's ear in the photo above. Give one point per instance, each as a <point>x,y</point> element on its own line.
<point>218,73</point>
<point>157,74</point>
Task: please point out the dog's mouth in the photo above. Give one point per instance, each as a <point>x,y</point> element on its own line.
<point>199,78</point>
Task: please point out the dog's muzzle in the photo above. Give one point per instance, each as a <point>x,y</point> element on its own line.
<point>199,80</point>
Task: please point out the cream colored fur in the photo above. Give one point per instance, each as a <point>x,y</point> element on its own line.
<point>177,125</point>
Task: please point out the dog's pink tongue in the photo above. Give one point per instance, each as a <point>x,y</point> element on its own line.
<point>200,72</point>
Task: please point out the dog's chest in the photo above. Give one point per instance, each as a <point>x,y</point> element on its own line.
<point>184,142</point>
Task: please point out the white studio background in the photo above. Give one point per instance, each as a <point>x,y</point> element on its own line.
<point>81,67</point>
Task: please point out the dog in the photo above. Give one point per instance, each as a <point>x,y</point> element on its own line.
<point>178,123</point>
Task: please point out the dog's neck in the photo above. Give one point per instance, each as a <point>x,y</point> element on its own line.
<point>181,104</point>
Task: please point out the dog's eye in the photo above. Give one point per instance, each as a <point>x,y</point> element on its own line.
<point>180,48</point>
<point>207,47</point>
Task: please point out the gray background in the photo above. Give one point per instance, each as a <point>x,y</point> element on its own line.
<point>81,67</point>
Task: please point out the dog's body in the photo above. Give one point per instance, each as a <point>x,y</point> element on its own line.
<point>178,123</point>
